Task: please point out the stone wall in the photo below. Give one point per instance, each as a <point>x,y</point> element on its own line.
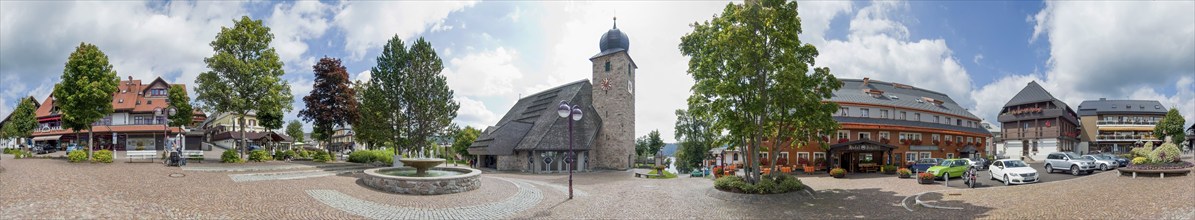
<point>615,103</point>
<point>514,162</point>
<point>469,181</point>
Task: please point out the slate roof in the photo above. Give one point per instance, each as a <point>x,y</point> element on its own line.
<point>906,123</point>
<point>853,91</point>
<point>1030,94</point>
<point>532,123</point>
<point>1137,107</point>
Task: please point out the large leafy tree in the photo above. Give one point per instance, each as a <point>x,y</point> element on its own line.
<point>85,94</point>
<point>463,139</point>
<point>411,95</point>
<point>374,131</point>
<point>753,76</point>
<point>696,136</point>
<point>641,146</point>
<point>22,120</point>
<point>245,76</point>
<point>332,102</point>
<point>654,143</point>
<point>1171,126</point>
<point>294,129</point>
<point>182,105</point>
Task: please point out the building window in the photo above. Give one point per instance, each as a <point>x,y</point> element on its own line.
<point>884,135</point>
<point>958,139</point>
<point>970,140</point>
<point>949,155</point>
<point>843,111</point>
<point>864,135</point>
<point>902,115</point>
<point>865,112</point>
<point>911,156</point>
<point>936,119</point>
<point>844,135</point>
<point>607,66</point>
<point>818,155</point>
<point>883,113</point>
<point>630,80</point>
<point>935,138</point>
<point>784,159</point>
<point>957,122</point>
<point>803,158</point>
<point>917,116</point>
<point>926,155</point>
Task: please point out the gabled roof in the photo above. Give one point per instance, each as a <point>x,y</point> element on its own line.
<point>895,94</point>
<point>36,105</point>
<point>1030,94</point>
<point>1137,107</point>
<point>130,96</point>
<point>532,123</point>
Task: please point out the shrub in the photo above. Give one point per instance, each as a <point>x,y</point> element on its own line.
<point>77,156</point>
<point>1139,152</point>
<point>303,154</point>
<point>230,156</point>
<point>888,168</point>
<point>102,156</point>
<point>1167,153</point>
<point>370,156</point>
<point>259,156</point>
<point>904,171</point>
<point>283,154</point>
<point>769,184</point>
<point>322,156</point>
<point>925,176</point>
<point>11,150</point>
<point>1139,160</point>
<point>837,171</point>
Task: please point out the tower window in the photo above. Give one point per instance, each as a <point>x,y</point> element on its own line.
<point>607,66</point>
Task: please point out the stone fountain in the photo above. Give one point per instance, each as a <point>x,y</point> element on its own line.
<point>422,177</point>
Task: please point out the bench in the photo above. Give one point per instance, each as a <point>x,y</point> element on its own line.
<point>644,175</point>
<point>193,155</point>
<point>141,154</point>
<point>1161,173</point>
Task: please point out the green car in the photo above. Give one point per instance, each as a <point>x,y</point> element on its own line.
<point>951,167</point>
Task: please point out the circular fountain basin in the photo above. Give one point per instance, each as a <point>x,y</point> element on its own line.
<point>437,181</point>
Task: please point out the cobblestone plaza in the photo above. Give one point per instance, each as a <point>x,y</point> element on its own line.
<point>54,188</point>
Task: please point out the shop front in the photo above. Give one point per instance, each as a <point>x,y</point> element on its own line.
<point>861,155</point>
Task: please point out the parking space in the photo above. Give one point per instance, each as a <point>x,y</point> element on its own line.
<point>985,177</point>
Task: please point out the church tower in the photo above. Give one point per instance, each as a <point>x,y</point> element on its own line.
<point>614,100</point>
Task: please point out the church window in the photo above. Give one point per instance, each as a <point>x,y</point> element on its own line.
<point>607,66</point>
<point>630,80</point>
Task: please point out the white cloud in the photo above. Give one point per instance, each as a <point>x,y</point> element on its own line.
<point>363,76</point>
<point>474,113</point>
<point>294,24</point>
<point>515,14</point>
<point>977,58</point>
<point>370,24</point>
<point>990,98</point>
<point>816,17</point>
<point>1183,100</point>
<point>484,73</point>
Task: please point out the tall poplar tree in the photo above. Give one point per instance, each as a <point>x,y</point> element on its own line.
<point>411,94</point>
<point>332,102</point>
<point>245,76</point>
<point>375,131</point>
<point>753,75</point>
<point>85,94</point>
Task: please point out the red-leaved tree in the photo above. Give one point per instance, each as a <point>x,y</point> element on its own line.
<point>332,101</point>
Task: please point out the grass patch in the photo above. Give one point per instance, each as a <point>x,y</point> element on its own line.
<point>667,175</point>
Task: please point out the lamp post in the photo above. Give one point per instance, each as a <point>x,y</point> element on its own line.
<point>570,113</point>
<point>167,112</point>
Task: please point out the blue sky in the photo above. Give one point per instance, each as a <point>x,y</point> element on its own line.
<point>978,53</point>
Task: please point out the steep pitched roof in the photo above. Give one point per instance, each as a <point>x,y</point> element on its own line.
<point>1104,106</point>
<point>1030,94</point>
<point>532,123</point>
<point>130,96</point>
<point>895,94</point>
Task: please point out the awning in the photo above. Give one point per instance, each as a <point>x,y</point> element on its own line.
<point>47,138</point>
<point>862,145</point>
<point>923,148</point>
<point>968,149</point>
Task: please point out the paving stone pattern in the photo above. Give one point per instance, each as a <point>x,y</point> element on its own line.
<point>526,197</point>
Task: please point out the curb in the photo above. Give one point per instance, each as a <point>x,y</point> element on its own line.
<point>918,201</point>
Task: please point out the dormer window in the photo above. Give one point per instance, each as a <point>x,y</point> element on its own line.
<point>149,102</point>
<point>120,101</point>
<point>138,102</point>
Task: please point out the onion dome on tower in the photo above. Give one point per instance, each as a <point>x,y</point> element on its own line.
<point>614,40</point>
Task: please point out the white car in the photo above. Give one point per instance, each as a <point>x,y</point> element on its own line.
<point>1012,171</point>
<point>973,163</point>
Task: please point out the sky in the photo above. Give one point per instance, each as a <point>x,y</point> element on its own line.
<point>980,53</point>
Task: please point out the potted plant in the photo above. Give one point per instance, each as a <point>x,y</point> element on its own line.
<point>842,140</point>
<point>837,172</point>
<point>884,140</point>
<point>904,173</point>
<point>819,163</point>
<point>888,169</point>
<point>717,171</point>
<point>925,178</point>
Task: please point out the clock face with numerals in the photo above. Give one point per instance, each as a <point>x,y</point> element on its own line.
<point>606,84</point>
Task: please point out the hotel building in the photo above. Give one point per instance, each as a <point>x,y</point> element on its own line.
<point>1117,125</point>
<point>1035,124</point>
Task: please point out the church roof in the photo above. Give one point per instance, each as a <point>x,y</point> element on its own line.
<point>532,123</point>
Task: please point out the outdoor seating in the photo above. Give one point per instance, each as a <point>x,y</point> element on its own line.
<point>809,169</point>
<point>765,171</point>
<point>786,169</point>
<point>869,167</point>
<point>140,154</point>
<point>193,155</point>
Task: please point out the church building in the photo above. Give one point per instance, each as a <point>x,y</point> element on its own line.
<point>532,137</point>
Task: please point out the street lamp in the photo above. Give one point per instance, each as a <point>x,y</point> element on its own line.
<point>168,112</point>
<point>569,112</point>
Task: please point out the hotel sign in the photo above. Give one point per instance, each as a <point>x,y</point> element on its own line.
<point>864,147</point>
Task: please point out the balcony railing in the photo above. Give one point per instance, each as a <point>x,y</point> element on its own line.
<point>1126,123</point>
<point>1125,137</point>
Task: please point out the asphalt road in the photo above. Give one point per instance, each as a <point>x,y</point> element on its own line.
<point>985,177</point>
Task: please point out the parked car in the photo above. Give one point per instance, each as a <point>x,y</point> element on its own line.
<point>1069,161</point>
<point>949,168</point>
<point>1012,171</point>
<point>1103,162</point>
<point>924,164</point>
<point>975,164</point>
<point>1119,160</point>
<point>983,163</point>
<point>73,147</point>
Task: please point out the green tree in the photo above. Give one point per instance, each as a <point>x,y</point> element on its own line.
<point>463,139</point>
<point>294,129</point>
<point>21,121</point>
<point>696,136</point>
<point>1171,126</point>
<point>182,105</point>
<point>641,146</point>
<point>654,143</point>
<point>373,131</point>
<point>752,74</point>
<point>412,95</point>
<point>245,76</point>
<point>332,102</point>
<point>85,94</point>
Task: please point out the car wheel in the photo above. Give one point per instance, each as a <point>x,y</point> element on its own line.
<point>1005,179</point>
<point>1049,169</point>
<point>1074,170</point>
<point>1103,167</point>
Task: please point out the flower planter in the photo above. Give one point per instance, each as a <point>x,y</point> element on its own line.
<point>905,176</point>
<point>925,181</point>
<point>838,176</point>
<point>889,172</point>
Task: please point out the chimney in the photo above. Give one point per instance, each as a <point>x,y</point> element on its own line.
<point>866,80</point>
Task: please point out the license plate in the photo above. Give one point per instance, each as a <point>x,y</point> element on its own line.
<point>1030,179</point>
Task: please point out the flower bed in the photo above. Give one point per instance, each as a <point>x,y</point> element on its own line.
<point>1162,166</point>
<point>769,184</point>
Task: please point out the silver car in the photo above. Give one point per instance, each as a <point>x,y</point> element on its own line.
<point>1104,162</point>
<point>1069,161</point>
